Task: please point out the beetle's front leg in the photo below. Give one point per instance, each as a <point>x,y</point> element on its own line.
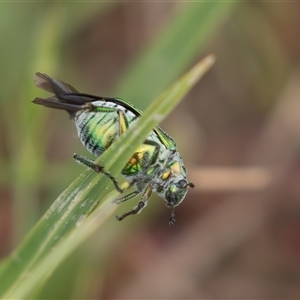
<point>141,204</point>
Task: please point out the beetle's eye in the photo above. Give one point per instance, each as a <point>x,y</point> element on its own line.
<point>181,183</point>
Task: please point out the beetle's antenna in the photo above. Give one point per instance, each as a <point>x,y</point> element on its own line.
<point>172,219</point>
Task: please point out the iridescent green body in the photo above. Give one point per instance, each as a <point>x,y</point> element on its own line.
<point>155,166</point>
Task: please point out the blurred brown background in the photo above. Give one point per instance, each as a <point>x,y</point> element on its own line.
<point>238,232</point>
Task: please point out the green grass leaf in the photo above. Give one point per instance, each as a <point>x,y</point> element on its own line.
<point>69,222</point>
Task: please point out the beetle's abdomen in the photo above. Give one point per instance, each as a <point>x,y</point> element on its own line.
<point>98,129</point>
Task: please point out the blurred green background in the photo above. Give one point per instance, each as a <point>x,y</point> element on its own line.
<point>238,233</point>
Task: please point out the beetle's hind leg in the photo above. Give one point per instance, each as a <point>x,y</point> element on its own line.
<point>99,169</point>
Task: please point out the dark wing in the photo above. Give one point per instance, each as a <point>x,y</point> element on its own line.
<point>44,82</point>
<point>65,96</point>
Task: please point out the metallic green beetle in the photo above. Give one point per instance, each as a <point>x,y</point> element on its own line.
<point>155,166</point>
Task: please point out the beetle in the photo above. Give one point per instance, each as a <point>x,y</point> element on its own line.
<point>156,164</point>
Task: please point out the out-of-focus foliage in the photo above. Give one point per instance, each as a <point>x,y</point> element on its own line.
<point>237,234</point>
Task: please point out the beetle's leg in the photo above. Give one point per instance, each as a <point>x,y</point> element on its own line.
<point>126,197</point>
<point>99,169</point>
<point>141,204</point>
